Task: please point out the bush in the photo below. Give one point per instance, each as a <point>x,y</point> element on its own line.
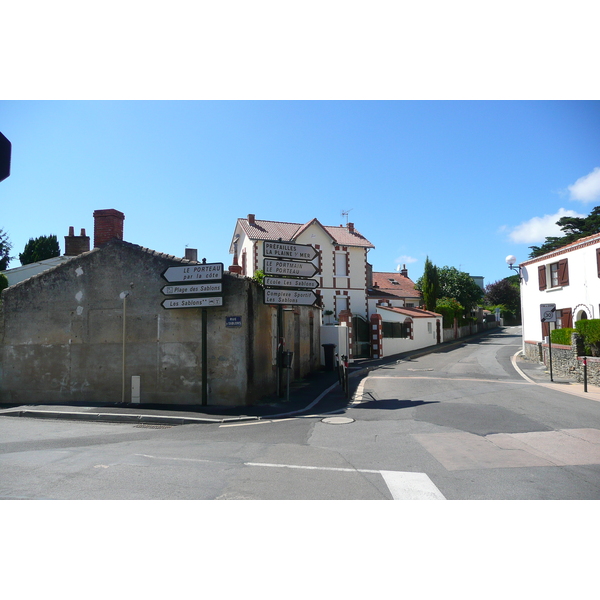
<point>589,330</point>
<point>561,336</point>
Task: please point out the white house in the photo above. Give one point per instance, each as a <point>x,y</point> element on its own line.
<point>568,278</point>
<point>341,262</point>
<point>394,289</point>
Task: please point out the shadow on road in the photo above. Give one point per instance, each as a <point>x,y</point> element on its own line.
<point>392,404</point>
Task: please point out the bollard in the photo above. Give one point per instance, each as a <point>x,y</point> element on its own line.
<point>584,374</point>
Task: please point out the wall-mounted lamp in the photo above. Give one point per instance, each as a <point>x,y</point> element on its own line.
<point>510,261</point>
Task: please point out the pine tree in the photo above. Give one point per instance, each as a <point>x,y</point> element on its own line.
<point>41,248</point>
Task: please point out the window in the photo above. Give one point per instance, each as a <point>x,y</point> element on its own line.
<point>559,274</point>
<point>341,264</point>
<point>395,330</point>
<point>341,303</point>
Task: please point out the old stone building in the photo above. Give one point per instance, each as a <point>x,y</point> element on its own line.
<point>85,329</point>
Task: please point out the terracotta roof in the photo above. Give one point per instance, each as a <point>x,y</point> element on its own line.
<point>586,241</point>
<point>414,313</point>
<point>289,232</point>
<point>395,284</point>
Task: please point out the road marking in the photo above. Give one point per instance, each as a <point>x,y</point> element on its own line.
<point>451,379</point>
<point>411,486</point>
<point>403,485</point>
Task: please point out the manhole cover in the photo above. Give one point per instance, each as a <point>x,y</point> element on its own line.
<point>337,420</point>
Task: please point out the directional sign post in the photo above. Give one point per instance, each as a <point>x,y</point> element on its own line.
<point>289,251</point>
<point>192,302</point>
<point>295,297</point>
<point>203,272</point>
<point>289,268</point>
<point>290,283</point>
<point>192,288</point>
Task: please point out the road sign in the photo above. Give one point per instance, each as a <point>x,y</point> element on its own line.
<point>548,313</point>
<point>203,272</point>
<point>192,302</point>
<point>5,150</point>
<point>290,283</point>
<point>192,288</point>
<point>297,297</point>
<point>289,251</point>
<point>289,268</point>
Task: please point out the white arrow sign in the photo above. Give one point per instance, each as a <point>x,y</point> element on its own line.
<point>203,272</point>
<point>289,268</point>
<point>191,302</point>
<point>290,282</point>
<point>192,288</point>
<point>298,297</point>
<point>289,251</point>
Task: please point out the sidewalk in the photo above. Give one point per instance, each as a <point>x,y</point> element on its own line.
<point>305,394</point>
<point>539,374</point>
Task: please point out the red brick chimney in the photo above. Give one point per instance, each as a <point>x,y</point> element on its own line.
<point>351,227</point>
<point>108,224</point>
<point>251,219</point>
<point>76,244</point>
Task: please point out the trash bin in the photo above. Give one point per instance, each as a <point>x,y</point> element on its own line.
<point>329,350</point>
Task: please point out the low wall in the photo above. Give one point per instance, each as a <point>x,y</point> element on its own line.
<point>567,361</point>
<point>460,332</point>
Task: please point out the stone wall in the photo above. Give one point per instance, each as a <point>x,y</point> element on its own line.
<point>567,361</point>
<point>62,335</point>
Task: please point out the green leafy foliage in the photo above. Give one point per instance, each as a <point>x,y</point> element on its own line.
<point>589,330</point>
<point>561,336</point>
<point>5,247</point>
<point>3,282</point>
<point>259,276</point>
<point>574,228</point>
<point>450,309</point>
<point>504,294</point>
<point>40,248</point>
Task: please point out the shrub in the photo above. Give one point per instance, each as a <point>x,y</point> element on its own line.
<point>589,330</point>
<point>561,336</point>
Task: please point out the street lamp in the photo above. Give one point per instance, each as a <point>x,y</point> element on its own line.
<point>510,261</point>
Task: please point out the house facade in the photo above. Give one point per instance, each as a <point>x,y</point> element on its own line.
<point>569,278</point>
<point>341,262</point>
<point>394,289</point>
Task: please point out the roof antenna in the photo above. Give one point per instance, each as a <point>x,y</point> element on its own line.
<point>345,214</point>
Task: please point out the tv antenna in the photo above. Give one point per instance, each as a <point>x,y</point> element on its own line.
<point>345,213</point>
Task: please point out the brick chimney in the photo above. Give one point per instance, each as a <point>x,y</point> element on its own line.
<point>76,244</point>
<point>404,271</point>
<point>252,220</point>
<point>191,254</point>
<point>351,227</point>
<point>108,224</point>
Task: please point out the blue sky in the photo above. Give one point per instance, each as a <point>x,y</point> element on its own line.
<point>463,182</point>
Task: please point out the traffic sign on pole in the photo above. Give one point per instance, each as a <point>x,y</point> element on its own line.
<point>292,297</point>
<point>192,302</point>
<point>548,313</point>
<point>289,251</point>
<point>290,283</point>
<point>192,288</point>
<point>289,268</point>
<point>203,272</point>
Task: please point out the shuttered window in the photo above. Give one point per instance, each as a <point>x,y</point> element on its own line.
<point>563,272</point>
<point>542,277</point>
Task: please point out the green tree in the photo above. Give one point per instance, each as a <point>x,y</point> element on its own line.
<point>574,228</point>
<point>40,248</point>
<point>504,293</point>
<point>3,282</point>
<point>450,309</point>
<point>459,286</point>
<point>430,286</point>
<point>5,247</point>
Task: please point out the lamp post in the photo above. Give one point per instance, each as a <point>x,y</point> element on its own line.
<point>510,261</point>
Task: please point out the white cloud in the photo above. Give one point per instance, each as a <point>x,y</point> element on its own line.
<point>405,260</point>
<point>586,188</point>
<point>539,228</point>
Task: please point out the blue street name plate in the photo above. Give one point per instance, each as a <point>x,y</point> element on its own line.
<point>233,321</point>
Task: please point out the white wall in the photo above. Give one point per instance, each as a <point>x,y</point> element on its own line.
<point>582,293</point>
<point>424,333</point>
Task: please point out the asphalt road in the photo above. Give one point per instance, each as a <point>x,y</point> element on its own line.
<point>455,424</point>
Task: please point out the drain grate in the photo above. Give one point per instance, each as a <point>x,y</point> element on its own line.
<point>149,426</point>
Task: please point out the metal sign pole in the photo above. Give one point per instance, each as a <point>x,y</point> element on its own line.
<point>204,358</point>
